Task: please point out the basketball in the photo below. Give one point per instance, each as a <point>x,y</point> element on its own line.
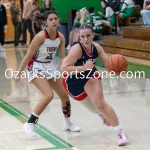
<point>117,63</point>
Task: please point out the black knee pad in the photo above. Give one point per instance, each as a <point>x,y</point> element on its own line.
<point>66,109</point>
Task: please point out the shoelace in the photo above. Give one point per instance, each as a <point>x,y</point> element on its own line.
<point>119,136</point>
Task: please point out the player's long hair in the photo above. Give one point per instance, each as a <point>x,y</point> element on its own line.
<point>37,17</point>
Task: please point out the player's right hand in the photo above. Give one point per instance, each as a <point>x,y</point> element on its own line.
<point>89,65</point>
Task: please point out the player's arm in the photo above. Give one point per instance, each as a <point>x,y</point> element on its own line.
<point>37,41</point>
<point>62,51</point>
<point>102,55</point>
<point>75,53</point>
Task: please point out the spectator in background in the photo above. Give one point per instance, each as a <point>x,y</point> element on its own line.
<point>95,20</point>
<point>109,15</point>
<point>26,21</point>
<point>74,34</point>
<point>16,20</point>
<point>47,6</point>
<point>38,18</point>
<point>76,23</point>
<point>3,24</point>
<point>126,9</point>
<point>146,13</point>
<point>84,15</point>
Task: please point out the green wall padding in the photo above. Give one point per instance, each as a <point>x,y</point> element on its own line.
<point>62,6</point>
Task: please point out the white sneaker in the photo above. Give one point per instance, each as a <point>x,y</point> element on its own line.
<point>29,129</point>
<point>71,126</point>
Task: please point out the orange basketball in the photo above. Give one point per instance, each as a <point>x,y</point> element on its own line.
<point>117,63</point>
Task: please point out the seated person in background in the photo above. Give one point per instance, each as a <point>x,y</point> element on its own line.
<point>76,23</point>
<point>146,13</point>
<point>126,9</point>
<point>108,15</point>
<point>95,20</point>
<point>74,34</point>
<point>82,15</point>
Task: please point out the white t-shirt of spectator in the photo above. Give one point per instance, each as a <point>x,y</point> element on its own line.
<point>109,12</point>
<point>128,4</point>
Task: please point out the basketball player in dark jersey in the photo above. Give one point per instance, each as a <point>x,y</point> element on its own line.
<point>83,82</point>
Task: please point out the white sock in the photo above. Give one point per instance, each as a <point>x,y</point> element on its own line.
<point>67,120</point>
<point>117,128</point>
<point>35,114</point>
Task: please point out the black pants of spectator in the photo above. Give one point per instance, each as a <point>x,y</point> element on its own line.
<point>27,24</point>
<point>2,35</point>
<point>17,28</point>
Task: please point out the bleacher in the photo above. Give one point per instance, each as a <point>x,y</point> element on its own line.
<point>135,42</point>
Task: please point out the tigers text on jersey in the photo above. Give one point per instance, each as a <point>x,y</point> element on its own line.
<point>47,50</point>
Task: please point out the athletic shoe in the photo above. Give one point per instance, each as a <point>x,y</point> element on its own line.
<point>122,137</point>
<point>29,129</point>
<point>71,126</point>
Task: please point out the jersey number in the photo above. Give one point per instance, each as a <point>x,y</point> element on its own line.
<point>50,56</point>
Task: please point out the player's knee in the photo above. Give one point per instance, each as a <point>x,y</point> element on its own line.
<point>49,97</point>
<point>64,97</point>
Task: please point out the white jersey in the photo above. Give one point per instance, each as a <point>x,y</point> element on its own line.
<point>47,50</point>
<point>43,61</point>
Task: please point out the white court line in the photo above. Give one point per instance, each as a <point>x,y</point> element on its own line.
<point>74,148</point>
<point>3,132</point>
<point>34,147</point>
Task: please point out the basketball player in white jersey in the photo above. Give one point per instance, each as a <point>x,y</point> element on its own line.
<point>41,72</point>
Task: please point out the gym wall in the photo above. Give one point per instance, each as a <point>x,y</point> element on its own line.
<point>63,6</point>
